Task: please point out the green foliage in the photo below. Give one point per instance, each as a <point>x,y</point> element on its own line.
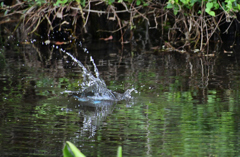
<point>82,2</point>
<point>70,150</point>
<point>60,2</point>
<point>34,2</point>
<point>42,2</point>
<point>211,6</point>
<point>119,152</point>
<point>139,2</point>
<point>2,4</point>
<point>231,6</point>
<point>64,2</point>
<point>174,6</point>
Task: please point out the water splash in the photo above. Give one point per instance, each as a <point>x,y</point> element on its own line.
<point>94,89</point>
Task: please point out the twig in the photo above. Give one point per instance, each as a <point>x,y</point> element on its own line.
<point>49,22</point>
<point>119,23</point>
<point>155,20</point>
<point>112,31</point>
<point>141,15</point>
<point>39,21</point>
<point>101,11</point>
<point>89,3</point>
<point>214,30</point>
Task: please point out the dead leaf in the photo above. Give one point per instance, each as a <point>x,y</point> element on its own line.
<point>59,43</point>
<point>108,38</point>
<point>59,15</point>
<point>25,42</point>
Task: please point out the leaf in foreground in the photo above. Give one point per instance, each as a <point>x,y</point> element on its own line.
<point>70,150</point>
<point>119,152</point>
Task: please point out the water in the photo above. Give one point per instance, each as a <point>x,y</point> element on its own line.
<point>185,106</point>
<point>93,89</point>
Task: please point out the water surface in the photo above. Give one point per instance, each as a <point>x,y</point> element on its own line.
<point>185,106</point>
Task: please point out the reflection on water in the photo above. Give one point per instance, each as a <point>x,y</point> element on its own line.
<point>185,106</point>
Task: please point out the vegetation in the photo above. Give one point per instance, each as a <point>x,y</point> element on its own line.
<point>70,150</point>
<point>200,20</point>
<point>185,24</point>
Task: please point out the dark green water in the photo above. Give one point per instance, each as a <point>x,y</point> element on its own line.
<point>184,106</point>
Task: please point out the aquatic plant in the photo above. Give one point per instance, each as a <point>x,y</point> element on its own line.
<point>70,150</point>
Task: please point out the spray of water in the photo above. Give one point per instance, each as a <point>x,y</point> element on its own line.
<point>94,88</point>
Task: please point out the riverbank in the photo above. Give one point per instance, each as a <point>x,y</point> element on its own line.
<point>163,25</point>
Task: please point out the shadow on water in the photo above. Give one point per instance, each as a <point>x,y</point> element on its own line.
<point>185,105</point>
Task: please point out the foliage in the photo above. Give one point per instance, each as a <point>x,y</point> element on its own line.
<point>228,6</point>
<point>42,2</point>
<point>210,6</point>
<point>82,2</point>
<point>195,19</point>
<point>70,150</point>
<point>192,18</point>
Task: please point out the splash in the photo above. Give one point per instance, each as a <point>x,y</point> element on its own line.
<point>93,88</point>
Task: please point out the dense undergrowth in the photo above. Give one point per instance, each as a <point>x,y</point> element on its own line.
<point>183,24</point>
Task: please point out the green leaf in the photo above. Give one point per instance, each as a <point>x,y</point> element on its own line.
<point>238,5</point>
<point>209,6</point>
<point>138,2</point>
<point>83,3</point>
<point>70,150</point>
<point>216,6</point>
<point>145,4</point>
<point>56,4</point>
<point>175,11</point>
<point>66,153</point>
<point>212,13</point>
<point>62,1</point>
<point>119,152</point>
<point>6,12</point>
<point>169,6</point>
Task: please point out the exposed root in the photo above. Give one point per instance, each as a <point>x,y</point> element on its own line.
<point>192,31</point>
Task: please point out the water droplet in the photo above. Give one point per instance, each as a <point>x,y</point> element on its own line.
<point>80,44</point>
